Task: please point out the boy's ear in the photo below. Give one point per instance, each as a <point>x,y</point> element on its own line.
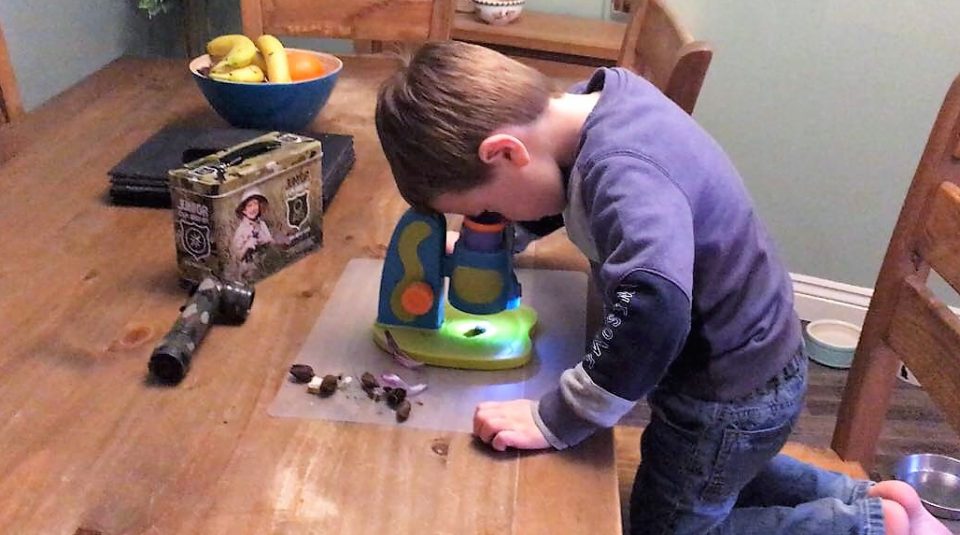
<point>503,147</point>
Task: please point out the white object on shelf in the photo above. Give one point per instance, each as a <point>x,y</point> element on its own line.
<point>499,12</point>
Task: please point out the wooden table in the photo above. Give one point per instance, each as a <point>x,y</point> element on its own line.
<point>86,290</point>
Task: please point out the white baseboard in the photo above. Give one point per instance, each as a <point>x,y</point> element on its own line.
<point>816,298</point>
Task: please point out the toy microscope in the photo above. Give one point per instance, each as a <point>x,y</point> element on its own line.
<point>479,323</point>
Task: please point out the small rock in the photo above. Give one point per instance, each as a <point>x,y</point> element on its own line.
<point>395,396</point>
<point>301,373</point>
<point>327,386</point>
<point>440,446</point>
<point>368,381</point>
<point>375,393</point>
<point>403,411</point>
<point>314,386</point>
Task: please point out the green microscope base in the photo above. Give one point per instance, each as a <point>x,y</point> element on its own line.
<point>498,341</point>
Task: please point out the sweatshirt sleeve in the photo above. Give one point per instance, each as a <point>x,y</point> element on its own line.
<point>643,227</point>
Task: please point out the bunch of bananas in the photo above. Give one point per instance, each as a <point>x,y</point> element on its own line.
<point>236,58</point>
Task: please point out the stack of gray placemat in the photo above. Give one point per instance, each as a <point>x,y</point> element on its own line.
<point>140,179</point>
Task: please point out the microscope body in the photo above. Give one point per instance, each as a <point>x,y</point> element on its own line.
<point>475,322</point>
<point>481,272</point>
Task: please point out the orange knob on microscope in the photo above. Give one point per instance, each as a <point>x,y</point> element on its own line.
<point>417,298</point>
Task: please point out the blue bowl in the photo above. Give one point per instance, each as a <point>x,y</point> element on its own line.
<point>269,106</point>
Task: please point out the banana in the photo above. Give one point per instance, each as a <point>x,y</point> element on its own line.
<point>221,46</point>
<point>277,68</point>
<point>240,54</point>
<point>259,61</point>
<point>221,66</point>
<point>250,74</point>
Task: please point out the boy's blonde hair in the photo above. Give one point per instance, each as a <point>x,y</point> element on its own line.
<point>433,114</point>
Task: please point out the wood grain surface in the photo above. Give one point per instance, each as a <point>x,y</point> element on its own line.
<point>548,32</point>
<point>384,20</point>
<point>87,289</point>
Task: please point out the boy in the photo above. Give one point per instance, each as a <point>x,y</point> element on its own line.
<point>698,309</point>
<point>251,236</point>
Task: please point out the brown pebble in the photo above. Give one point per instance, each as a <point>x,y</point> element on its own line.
<point>368,381</point>
<point>395,396</point>
<point>301,373</point>
<point>440,446</point>
<point>403,411</point>
<point>328,386</point>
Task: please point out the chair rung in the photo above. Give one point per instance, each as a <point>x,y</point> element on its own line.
<point>926,335</point>
<point>939,242</point>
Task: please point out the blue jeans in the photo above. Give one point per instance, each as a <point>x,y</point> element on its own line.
<point>712,467</point>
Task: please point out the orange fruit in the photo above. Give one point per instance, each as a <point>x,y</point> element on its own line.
<point>304,66</point>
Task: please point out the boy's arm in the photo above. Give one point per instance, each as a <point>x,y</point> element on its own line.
<point>644,330</point>
<point>643,226</point>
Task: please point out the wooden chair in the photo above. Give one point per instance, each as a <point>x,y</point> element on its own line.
<point>11,107</point>
<point>906,321</point>
<point>657,47</point>
<point>370,22</point>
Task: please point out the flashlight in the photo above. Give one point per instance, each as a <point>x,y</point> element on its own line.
<point>214,301</point>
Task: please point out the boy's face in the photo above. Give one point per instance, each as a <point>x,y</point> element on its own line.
<point>523,186</point>
<point>251,209</point>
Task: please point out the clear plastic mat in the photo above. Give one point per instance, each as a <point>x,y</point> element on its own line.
<point>340,343</point>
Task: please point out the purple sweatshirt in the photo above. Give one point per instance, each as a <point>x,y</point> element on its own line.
<point>695,296</point>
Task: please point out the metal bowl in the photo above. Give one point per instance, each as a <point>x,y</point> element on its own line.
<point>936,479</point>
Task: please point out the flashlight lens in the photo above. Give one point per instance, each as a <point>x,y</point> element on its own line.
<point>167,366</point>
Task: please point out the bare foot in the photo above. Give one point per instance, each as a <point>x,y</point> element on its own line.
<point>895,519</point>
<point>920,521</point>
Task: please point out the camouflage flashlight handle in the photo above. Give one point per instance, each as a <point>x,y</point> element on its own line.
<point>213,301</point>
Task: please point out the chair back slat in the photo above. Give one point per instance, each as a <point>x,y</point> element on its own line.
<point>657,47</point>
<point>405,21</point>
<point>925,334</point>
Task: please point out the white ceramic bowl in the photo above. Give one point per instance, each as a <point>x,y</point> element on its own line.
<point>499,12</point>
<point>831,342</point>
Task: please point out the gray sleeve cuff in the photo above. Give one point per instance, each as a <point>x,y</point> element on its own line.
<point>576,409</point>
<point>547,433</point>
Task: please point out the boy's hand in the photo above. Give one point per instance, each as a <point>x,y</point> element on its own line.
<point>508,424</point>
